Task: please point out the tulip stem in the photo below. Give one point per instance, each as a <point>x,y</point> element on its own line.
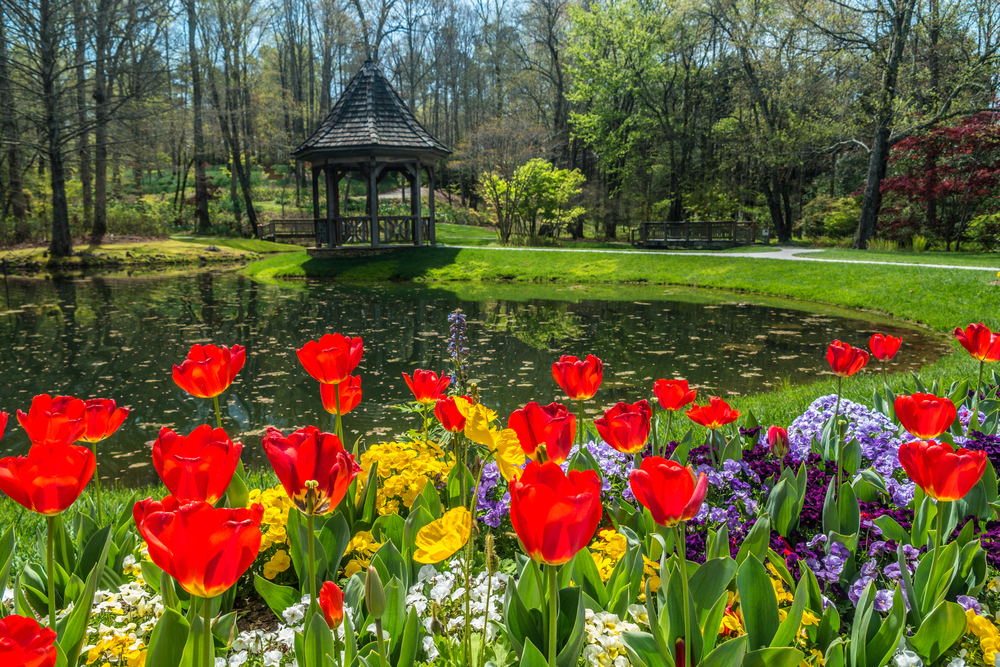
<point>50,553</point>
<point>338,425</point>
<point>553,614</point>
<point>680,546</point>
<point>206,627</point>
<point>840,453</point>
<point>579,426</point>
<point>218,413</point>
<point>310,526</point>
<point>938,542</point>
<point>975,399</point>
<point>666,436</point>
<point>381,642</point>
<point>97,486</point>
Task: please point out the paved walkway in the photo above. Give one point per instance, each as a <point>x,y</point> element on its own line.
<point>788,254</point>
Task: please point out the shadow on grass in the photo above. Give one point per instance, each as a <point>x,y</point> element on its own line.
<point>402,264</point>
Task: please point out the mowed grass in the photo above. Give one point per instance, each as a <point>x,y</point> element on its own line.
<point>983,259</point>
<point>246,245</point>
<point>938,298</point>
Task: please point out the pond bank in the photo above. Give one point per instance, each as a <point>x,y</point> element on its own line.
<point>935,297</point>
<point>140,255</point>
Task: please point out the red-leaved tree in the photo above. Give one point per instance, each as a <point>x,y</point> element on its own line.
<point>942,180</point>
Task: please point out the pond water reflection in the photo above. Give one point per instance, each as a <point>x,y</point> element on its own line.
<point>119,338</point>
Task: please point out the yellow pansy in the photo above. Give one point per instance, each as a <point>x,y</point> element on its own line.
<point>279,563</point>
<point>809,618</point>
<point>780,592</point>
<point>510,457</point>
<point>439,540</point>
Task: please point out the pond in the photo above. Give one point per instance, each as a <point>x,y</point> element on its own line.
<point>119,338</point>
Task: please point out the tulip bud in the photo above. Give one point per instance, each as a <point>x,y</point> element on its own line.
<point>492,562</point>
<point>777,441</point>
<point>374,594</point>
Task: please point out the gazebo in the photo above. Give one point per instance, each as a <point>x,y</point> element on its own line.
<point>371,131</point>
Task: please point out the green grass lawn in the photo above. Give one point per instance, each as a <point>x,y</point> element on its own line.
<point>984,259</point>
<point>247,245</point>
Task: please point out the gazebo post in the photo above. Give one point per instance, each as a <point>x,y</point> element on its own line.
<point>315,174</point>
<point>337,226</point>
<point>331,203</point>
<point>373,201</point>
<point>418,231</point>
<point>430,202</point>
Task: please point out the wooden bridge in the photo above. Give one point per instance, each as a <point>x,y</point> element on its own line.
<point>335,232</point>
<point>713,233</point>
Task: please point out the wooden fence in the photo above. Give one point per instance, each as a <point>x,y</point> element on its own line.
<point>715,233</point>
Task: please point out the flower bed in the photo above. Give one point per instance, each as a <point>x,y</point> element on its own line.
<point>854,535</point>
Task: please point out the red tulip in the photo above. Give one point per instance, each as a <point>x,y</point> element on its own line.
<point>942,473</point>
<point>332,359</point>
<point>673,394</point>
<point>777,442</point>
<point>50,478</point>
<point>579,379</point>
<point>449,415</point>
<point>3,423</point>
<point>331,601</point>
<point>102,418</point>
<point>626,427</point>
<point>205,549</point>
<point>197,467</point>
<point>24,643</point>
<point>884,347</point>
<point>552,425</point>
<point>981,343</point>
<point>311,455</point>
<point>426,386</point>
<point>554,514</point>
<point>714,415</point>
<point>844,359</point>
<point>925,415</point>
<point>668,490</point>
<point>350,395</point>
<point>209,369</point>
<point>59,419</point>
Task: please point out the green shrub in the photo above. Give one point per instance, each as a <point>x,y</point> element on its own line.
<point>919,243</point>
<point>985,232</point>
<point>827,216</point>
<point>883,245</point>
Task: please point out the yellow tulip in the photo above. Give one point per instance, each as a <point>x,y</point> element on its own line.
<point>439,540</point>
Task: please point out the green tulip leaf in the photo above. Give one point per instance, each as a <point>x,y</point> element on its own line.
<point>756,541</point>
<point>729,654</point>
<point>278,598</point>
<point>586,575</point>
<point>642,650</point>
<point>783,507</point>
<point>317,643</point>
<point>880,648</point>
<point>72,629</point>
<point>789,628</point>
<point>929,591</point>
<point>532,656</point>
<point>410,642</point>
<point>570,627</point>
<point>943,626</point>
<point>891,529</point>
<point>7,545</point>
<point>710,581</point>
<point>773,657</point>
<point>759,604</point>
<point>335,536</point>
<point>168,640</point>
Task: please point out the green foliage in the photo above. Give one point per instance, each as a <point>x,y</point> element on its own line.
<point>827,216</point>
<point>537,192</point>
<point>919,243</point>
<point>984,230</point>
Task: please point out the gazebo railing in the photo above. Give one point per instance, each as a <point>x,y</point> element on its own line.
<point>353,230</point>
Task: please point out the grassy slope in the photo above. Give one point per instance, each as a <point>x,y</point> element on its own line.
<point>246,245</point>
<point>984,259</point>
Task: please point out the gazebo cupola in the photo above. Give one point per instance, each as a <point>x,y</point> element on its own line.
<point>371,131</point>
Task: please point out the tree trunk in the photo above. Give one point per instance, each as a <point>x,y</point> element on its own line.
<point>83,149</point>
<point>899,31</point>
<point>102,93</point>
<point>200,182</point>
<point>61,243</point>
<point>8,131</point>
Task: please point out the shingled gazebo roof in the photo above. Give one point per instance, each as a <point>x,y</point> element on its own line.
<point>370,120</point>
